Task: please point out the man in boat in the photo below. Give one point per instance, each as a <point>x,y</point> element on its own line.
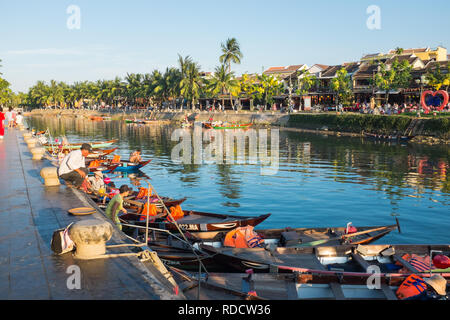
<point>116,205</point>
<point>135,157</point>
<point>73,167</point>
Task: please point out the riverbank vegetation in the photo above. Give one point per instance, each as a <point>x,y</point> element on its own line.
<point>356,123</point>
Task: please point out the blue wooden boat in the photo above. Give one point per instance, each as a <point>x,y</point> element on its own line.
<point>126,166</point>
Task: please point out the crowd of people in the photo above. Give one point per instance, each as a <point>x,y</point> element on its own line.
<point>10,118</point>
<point>72,169</point>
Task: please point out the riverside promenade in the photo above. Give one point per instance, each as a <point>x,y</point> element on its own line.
<point>30,213</point>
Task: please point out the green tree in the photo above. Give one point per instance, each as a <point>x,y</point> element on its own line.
<point>393,76</point>
<point>305,82</point>
<point>436,78</point>
<point>191,84</point>
<point>231,52</point>
<point>342,86</point>
<point>268,86</point>
<point>223,82</point>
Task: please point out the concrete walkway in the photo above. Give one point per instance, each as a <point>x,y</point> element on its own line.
<point>29,214</point>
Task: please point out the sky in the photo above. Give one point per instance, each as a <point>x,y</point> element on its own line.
<point>119,37</point>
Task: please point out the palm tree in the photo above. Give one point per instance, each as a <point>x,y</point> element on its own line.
<point>191,83</point>
<point>231,53</point>
<point>223,82</point>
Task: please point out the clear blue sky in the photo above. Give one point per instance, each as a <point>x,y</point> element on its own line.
<point>117,37</point>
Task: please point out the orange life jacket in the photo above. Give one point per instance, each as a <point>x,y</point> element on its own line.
<point>243,237</point>
<point>421,264</point>
<point>144,192</point>
<point>151,212</point>
<point>176,213</point>
<point>116,159</point>
<point>94,164</point>
<point>412,286</point>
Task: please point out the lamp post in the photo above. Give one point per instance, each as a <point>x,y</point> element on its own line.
<point>421,81</point>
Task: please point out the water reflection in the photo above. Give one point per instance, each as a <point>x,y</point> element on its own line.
<point>322,180</point>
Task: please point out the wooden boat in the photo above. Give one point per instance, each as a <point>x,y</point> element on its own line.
<point>197,221</point>
<point>208,290</point>
<point>74,146</point>
<point>100,153</point>
<point>304,237</point>
<point>137,121</point>
<point>103,168</point>
<point>176,252</point>
<point>209,125</point>
<point>345,260</point>
<point>387,137</point>
<point>96,118</point>
<point>126,166</point>
<point>136,205</point>
<point>269,286</point>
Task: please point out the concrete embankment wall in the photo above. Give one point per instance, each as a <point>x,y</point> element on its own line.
<point>432,128</point>
<point>240,117</point>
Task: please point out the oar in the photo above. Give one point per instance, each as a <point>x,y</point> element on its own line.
<point>362,232</point>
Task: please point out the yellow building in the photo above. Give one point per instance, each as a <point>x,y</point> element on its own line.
<point>424,54</point>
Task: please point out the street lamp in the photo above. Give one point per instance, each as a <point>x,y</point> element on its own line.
<point>422,81</point>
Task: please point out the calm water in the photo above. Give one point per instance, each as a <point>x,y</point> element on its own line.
<point>321,181</point>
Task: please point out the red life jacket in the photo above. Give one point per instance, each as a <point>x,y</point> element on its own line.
<point>421,264</point>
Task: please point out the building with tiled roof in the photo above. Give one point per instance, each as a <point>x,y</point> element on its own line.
<point>285,72</point>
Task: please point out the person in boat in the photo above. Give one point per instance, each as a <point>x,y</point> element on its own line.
<point>416,288</point>
<point>116,205</point>
<point>73,167</point>
<point>97,183</point>
<point>135,157</point>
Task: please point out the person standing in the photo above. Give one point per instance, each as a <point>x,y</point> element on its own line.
<point>8,117</point>
<point>116,205</point>
<point>2,119</point>
<point>73,167</point>
<point>19,119</point>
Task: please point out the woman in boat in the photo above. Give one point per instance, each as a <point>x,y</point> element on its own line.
<point>116,205</point>
<point>135,157</point>
<point>97,183</point>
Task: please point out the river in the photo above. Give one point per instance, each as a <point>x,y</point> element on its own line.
<point>320,180</point>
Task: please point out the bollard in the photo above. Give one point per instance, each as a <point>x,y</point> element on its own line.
<point>31,143</point>
<point>90,237</point>
<point>37,153</point>
<point>50,176</point>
